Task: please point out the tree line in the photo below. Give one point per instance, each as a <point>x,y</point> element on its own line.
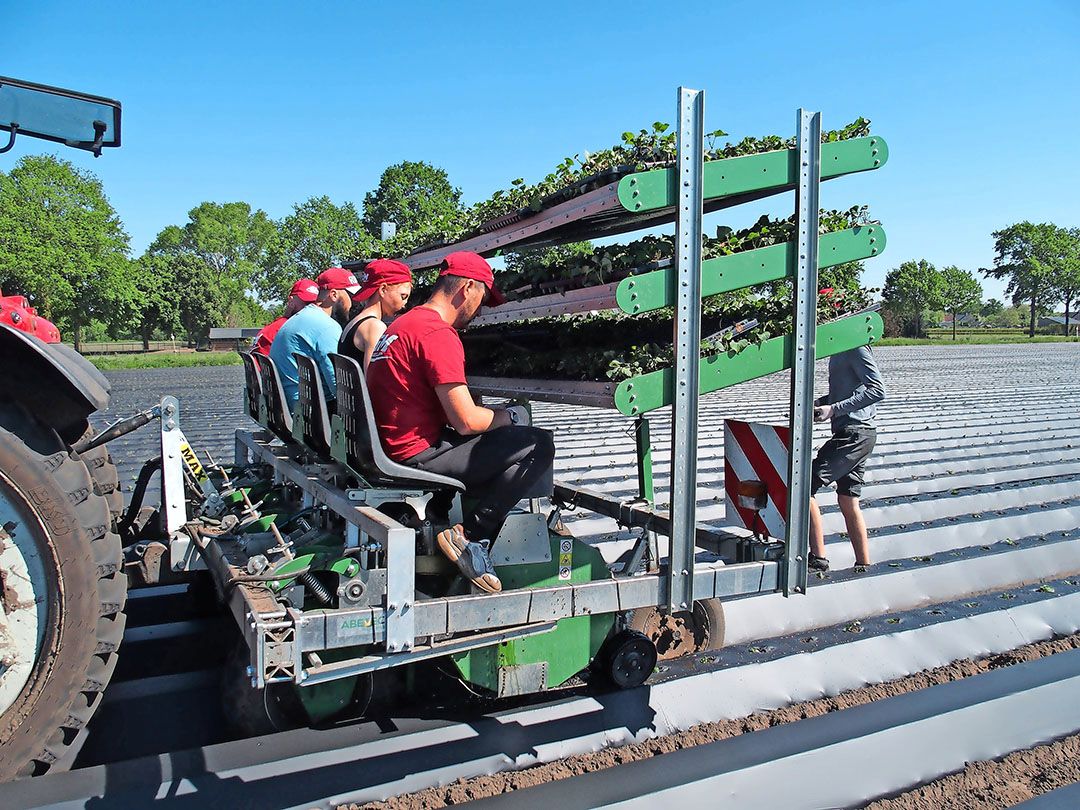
<point>1040,262</point>
<point>64,247</point>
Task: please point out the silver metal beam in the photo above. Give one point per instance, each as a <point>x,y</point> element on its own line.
<point>595,394</point>
<point>802,365</point>
<point>684,411</point>
<point>349,627</point>
<point>588,299</point>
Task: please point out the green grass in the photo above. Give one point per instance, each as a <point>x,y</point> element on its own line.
<point>107,362</point>
<point>969,340</point>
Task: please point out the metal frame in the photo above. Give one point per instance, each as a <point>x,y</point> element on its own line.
<point>279,639</point>
<point>803,353</point>
<point>687,340</point>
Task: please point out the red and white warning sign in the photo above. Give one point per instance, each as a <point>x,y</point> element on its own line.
<point>755,476</point>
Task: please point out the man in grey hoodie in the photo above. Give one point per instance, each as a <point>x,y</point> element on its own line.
<point>855,389</point>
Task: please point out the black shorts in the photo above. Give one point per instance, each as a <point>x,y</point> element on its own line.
<point>843,459</point>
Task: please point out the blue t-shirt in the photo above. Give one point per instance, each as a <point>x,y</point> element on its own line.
<point>310,332</point>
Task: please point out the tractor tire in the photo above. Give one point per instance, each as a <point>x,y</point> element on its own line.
<point>106,479</point>
<point>63,595</point>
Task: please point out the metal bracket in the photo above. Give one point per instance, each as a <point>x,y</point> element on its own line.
<point>523,539</point>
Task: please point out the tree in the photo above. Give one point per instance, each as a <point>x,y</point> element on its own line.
<point>991,307</point>
<point>316,235</point>
<point>910,290</point>
<point>961,293</point>
<point>1067,279</point>
<point>229,238</point>
<point>417,197</point>
<point>1030,256</point>
<point>158,295</point>
<point>63,246</point>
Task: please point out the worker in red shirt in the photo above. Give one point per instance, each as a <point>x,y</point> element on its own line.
<point>428,419</point>
<point>303,292</point>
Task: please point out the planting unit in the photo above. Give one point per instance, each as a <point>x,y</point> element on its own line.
<point>323,549</point>
<point>339,578</point>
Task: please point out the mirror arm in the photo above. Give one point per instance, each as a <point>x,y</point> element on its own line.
<point>99,136</point>
<point>11,140</point>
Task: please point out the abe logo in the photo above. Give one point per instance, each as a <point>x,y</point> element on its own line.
<point>382,347</point>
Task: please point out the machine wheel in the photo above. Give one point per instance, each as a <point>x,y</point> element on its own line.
<point>628,659</point>
<point>62,596</point>
<point>684,632</point>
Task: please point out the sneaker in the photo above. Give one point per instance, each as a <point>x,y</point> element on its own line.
<point>471,558</point>
<point>861,568</point>
<point>816,563</point>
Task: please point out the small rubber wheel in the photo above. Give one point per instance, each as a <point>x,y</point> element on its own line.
<point>630,659</point>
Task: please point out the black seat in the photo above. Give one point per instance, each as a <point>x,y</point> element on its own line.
<point>278,415</point>
<point>253,392</point>
<point>363,449</point>
<point>313,416</point>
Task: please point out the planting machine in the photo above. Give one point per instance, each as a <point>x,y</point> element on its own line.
<point>321,548</point>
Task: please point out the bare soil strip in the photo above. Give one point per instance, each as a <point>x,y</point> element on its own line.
<point>466,790</point>
<point>996,783</point>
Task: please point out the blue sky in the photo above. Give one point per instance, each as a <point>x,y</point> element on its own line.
<point>273,102</point>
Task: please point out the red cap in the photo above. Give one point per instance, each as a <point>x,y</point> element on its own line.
<point>305,289</point>
<point>382,271</point>
<point>466,264</point>
<point>338,278</point>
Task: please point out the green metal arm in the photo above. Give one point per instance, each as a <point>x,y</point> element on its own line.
<point>648,191</point>
<point>655,290</point>
<point>648,392</point>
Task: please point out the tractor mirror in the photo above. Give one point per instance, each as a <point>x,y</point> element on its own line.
<point>62,116</point>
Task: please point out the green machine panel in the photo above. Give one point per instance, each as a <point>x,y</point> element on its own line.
<point>567,649</point>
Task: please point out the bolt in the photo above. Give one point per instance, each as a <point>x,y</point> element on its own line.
<point>250,672</point>
<point>392,606</point>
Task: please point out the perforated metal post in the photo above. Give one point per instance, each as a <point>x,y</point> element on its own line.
<point>803,348</point>
<point>684,411</point>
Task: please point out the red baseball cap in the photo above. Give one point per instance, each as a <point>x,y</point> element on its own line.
<point>382,271</point>
<point>338,278</point>
<point>305,289</point>
<point>466,264</point>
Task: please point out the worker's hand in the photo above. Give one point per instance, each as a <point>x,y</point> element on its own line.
<point>822,413</point>
<point>519,414</point>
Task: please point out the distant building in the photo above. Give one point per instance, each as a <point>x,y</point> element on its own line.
<point>230,339</point>
<point>1056,324</point>
<point>963,319</point>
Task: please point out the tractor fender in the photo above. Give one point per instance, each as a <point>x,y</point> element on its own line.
<point>52,381</point>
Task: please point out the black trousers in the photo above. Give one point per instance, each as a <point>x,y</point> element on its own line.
<point>498,468</point>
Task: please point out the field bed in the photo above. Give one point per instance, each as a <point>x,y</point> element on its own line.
<point>973,506</point>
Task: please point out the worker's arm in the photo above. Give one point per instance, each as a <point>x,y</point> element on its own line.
<point>325,344</point>
<point>366,336</point>
<point>464,415</point>
<point>869,389</point>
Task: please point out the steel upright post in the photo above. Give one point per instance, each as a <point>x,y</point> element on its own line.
<point>684,411</point>
<point>803,348</point>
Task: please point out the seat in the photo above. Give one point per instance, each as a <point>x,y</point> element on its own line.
<point>253,392</point>
<point>278,416</point>
<point>311,419</point>
<point>363,452</point>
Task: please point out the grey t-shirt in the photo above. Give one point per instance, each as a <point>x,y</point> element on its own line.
<point>855,389</point>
